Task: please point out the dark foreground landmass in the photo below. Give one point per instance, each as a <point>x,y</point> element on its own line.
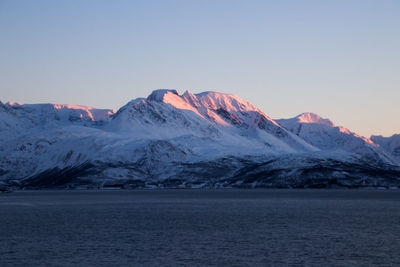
<point>200,227</point>
<point>230,172</point>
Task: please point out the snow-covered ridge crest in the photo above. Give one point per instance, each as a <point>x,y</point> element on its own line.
<point>212,106</point>
<point>222,117</point>
<point>325,135</point>
<point>64,111</point>
<point>309,117</point>
<point>390,144</point>
<point>14,104</point>
<point>170,138</point>
<point>314,120</point>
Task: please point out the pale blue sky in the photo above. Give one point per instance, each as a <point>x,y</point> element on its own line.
<point>339,59</point>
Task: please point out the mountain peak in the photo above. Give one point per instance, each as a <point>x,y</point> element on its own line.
<point>171,139</point>
<point>209,99</point>
<point>158,95</point>
<point>228,102</point>
<point>390,144</point>
<point>388,137</point>
<point>48,111</point>
<point>217,109</point>
<point>309,117</point>
<point>13,104</point>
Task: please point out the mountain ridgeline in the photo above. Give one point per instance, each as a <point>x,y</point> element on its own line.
<point>172,140</point>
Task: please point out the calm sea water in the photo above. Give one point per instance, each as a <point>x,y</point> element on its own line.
<point>200,227</point>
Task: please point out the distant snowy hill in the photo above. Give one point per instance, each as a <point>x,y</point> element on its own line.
<point>15,117</point>
<point>182,140</point>
<point>325,135</point>
<point>390,144</point>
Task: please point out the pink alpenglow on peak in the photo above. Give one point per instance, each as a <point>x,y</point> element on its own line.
<point>93,113</point>
<point>199,137</point>
<point>209,105</point>
<point>325,135</point>
<point>309,117</point>
<point>209,99</point>
<point>13,104</point>
<point>347,131</point>
<point>313,118</point>
<point>225,118</point>
<point>64,110</point>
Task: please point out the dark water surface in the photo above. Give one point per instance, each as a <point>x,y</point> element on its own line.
<point>200,227</point>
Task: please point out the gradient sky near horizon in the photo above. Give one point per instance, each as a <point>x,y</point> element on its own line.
<point>339,59</point>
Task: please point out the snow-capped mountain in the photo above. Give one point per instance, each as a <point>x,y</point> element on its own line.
<point>17,118</point>
<point>325,135</point>
<point>170,139</point>
<point>390,144</point>
<point>235,124</point>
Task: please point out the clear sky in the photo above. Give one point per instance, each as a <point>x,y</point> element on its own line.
<point>339,59</point>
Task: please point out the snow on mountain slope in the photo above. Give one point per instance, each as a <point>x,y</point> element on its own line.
<point>35,136</point>
<point>17,118</point>
<point>47,112</point>
<point>41,137</point>
<point>170,139</point>
<point>389,144</point>
<point>325,135</point>
<point>311,118</point>
<point>31,115</point>
<point>225,118</point>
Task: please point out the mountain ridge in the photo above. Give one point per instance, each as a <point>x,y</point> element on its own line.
<point>170,139</point>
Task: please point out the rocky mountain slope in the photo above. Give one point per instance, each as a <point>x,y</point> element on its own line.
<point>183,140</point>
